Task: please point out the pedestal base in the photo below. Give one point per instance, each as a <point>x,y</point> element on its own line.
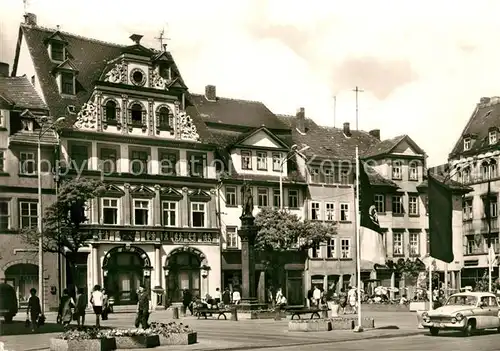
<point>251,304</point>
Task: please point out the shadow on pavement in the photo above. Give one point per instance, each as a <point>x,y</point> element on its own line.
<point>19,328</point>
<point>388,327</point>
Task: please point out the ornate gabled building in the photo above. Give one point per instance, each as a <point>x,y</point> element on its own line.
<point>22,113</point>
<point>253,147</point>
<point>474,163</point>
<point>126,122</point>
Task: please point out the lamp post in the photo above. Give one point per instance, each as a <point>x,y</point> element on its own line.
<point>39,212</point>
<point>289,155</point>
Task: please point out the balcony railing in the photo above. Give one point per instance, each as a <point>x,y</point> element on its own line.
<point>479,225</point>
<point>156,235</point>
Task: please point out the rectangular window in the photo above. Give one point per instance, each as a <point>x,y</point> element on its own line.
<point>315,175</point>
<point>139,162</point>
<point>246,160</point>
<point>344,177</point>
<point>413,205</point>
<point>79,157</point>
<point>169,213</point>
<point>397,244</point>
<point>68,83</point>
<point>262,161</point>
<point>168,163</point>
<point>196,165</point>
<point>230,196</point>
<point>467,209</point>
<point>231,238</point>
<point>330,211</point>
<point>345,248</point>
<point>380,203</point>
<point>467,144</point>
<point>329,175</point>
<point>493,207</point>
<point>471,246</point>
<point>276,162</point>
<point>57,51</point>
<point>396,170</point>
<point>29,214</point>
<point>110,211</point>
<point>276,198</point>
<point>27,163</point>
<point>262,197</point>
<point>316,251</point>
<point>198,214</point>
<point>141,212</point>
<point>109,160</point>
<point>293,198</point>
<point>493,137</point>
<point>397,204</point>
<point>315,211</point>
<point>344,212</point>
<point>413,171</point>
<point>4,215</point>
<point>330,249</point>
<point>2,161</point>
<point>414,244</point>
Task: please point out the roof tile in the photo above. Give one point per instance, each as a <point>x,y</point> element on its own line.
<point>19,92</point>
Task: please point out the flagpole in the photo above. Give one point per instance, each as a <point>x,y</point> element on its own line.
<point>488,213</point>
<point>359,328</point>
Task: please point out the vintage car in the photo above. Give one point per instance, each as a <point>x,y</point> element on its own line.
<point>466,312</point>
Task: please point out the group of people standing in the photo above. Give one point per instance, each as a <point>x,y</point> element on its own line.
<point>348,301</point>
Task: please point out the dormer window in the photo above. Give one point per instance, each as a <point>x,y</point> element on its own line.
<point>493,137</point>
<point>165,72</point>
<point>467,144</point>
<point>67,83</point>
<point>57,51</point>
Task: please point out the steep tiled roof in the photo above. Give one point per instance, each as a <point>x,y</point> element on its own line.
<point>485,116</point>
<point>329,142</point>
<point>384,146</point>
<point>243,113</point>
<point>377,179</point>
<point>25,137</point>
<point>442,174</point>
<point>19,93</point>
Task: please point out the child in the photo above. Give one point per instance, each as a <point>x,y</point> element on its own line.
<point>34,309</point>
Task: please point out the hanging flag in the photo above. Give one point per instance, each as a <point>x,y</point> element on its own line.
<point>371,236</point>
<point>440,220</point>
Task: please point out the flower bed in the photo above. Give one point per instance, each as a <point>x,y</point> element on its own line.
<point>82,339</point>
<point>382,307</point>
<point>133,338</point>
<point>174,333</point>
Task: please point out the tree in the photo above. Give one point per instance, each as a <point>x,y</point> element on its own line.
<point>280,232</point>
<point>62,219</point>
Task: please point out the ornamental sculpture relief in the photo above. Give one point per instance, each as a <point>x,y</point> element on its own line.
<point>187,129</point>
<point>88,116</point>
<point>118,74</point>
<point>157,81</point>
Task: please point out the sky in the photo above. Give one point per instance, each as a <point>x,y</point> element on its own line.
<point>422,65</point>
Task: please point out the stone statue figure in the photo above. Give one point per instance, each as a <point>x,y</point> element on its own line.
<point>246,192</point>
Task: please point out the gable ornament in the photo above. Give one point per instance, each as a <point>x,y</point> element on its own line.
<point>87,118</point>
<point>118,74</point>
<point>187,129</point>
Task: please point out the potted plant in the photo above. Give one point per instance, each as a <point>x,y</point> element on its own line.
<point>83,338</point>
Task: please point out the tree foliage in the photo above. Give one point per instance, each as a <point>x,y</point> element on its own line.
<point>63,218</point>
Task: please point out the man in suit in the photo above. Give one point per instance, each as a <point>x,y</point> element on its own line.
<point>144,308</point>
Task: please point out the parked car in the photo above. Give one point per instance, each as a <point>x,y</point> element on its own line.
<point>466,312</point>
<point>8,302</point>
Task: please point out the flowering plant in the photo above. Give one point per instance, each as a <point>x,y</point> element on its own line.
<point>166,329</point>
<point>111,333</point>
<point>83,333</point>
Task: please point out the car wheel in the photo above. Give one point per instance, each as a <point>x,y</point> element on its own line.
<point>8,318</point>
<point>468,329</point>
<point>434,331</point>
<point>498,330</point>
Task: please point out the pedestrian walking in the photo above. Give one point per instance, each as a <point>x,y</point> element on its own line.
<point>97,299</point>
<point>66,305</point>
<point>187,301</point>
<point>226,297</point>
<point>236,297</point>
<point>34,309</point>
<point>144,309</point>
<point>81,305</point>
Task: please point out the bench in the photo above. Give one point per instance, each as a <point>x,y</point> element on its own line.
<point>212,311</point>
<point>298,312</point>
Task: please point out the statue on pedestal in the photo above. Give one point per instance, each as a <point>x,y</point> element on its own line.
<point>247,200</point>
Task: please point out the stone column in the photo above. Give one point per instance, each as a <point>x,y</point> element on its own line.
<point>157,268</point>
<point>126,206</point>
<point>247,233</point>
<point>95,265</point>
<point>340,283</point>
<point>157,207</point>
<point>453,282</point>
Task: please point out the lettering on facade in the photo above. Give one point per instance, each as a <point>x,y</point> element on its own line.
<point>158,236</point>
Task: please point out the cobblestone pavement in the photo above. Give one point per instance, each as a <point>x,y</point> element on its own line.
<point>243,334</point>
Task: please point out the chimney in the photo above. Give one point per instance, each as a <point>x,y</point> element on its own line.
<point>30,19</point>
<point>301,120</point>
<point>4,69</point>
<point>136,38</point>
<point>347,129</point>
<point>210,93</point>
<point>484,100</point>
<point>375,133</point>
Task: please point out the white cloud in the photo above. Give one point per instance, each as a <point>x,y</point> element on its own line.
<point>423,65</point>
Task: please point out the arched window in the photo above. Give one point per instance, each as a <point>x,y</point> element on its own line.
<point>466,175</point>
<point>485,170</point>
<point>110,110</point>
<point>165,118</point>
<point>136,114</point>
<point>493,169</point>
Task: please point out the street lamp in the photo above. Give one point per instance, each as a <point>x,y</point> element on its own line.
<point>289,155</point>
<point>39,212</point>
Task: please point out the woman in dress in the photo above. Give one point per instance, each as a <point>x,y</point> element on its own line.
<point>81,305</point>
<point>67,303</point>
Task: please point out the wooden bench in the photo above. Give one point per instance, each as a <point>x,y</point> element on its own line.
<point>212,311</point>
<point>298,312</point>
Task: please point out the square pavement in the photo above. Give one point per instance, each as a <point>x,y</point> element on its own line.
<point>216,334</point>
